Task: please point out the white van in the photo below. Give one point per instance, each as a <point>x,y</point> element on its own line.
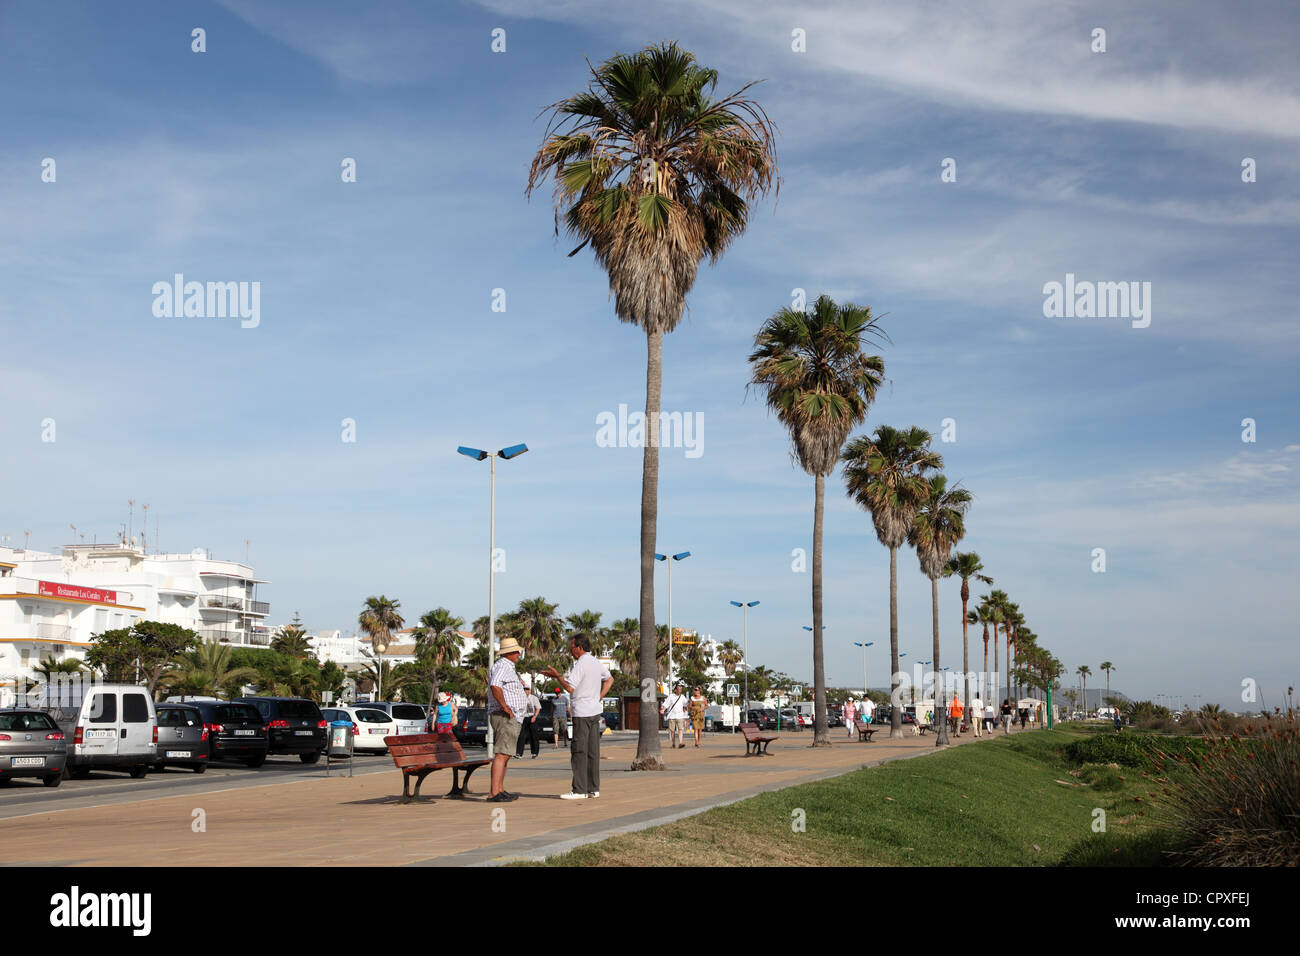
<point>108,726</point>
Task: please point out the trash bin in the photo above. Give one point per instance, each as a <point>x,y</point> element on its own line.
<point>340,744</point>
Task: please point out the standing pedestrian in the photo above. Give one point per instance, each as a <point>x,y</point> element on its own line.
<point>587,681</point>
<point>976,717</point>
<point>1006,715</point>
<point>868,710</point>
<point>560,719</point>
<point>1024,718</point>
<point>528,729</point>
<point>955,712</point>
<point>445,720</point>
<point>850,714</point>
<point>506,705</point>
<point>697,706</point>
<point>674,709</point>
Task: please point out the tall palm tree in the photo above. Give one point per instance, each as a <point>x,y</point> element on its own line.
<point>996,601</point>
<point>966,566</point>
<point>206,671</point>
<point>379,619</point>
<point>820,384</point>
<point>885,474</point>
<point>655,175</point>
<point>1083,671</point>
<point>984,617</point>
<point>1107,666</point>
<point>937,528</point>
<point>438,644</point>
<point>1010,616</point>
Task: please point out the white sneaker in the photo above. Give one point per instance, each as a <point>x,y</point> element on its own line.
<point>594,794</point>
<point>573,796</point>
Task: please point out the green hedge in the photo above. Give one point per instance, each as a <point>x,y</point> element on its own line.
<point>1139,751</point>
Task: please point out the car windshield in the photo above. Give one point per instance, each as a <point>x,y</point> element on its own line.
<point>408,712</point>
<point>27,721</point>
<point>299,710</point>
<point>371,716</point>
<point>476,714</point>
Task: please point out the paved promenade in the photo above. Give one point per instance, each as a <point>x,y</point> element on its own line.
<point>315,821</point>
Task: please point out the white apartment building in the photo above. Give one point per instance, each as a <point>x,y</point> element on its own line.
<point>52,604</point>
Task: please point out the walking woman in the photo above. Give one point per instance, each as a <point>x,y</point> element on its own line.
<point>697,706</point>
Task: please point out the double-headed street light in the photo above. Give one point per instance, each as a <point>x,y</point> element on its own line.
<point>864,663</point>
<point>513,451</point>
<point>745,613</point>
<point>680,556</point>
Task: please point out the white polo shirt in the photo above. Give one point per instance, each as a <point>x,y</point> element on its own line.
<point>675,706</point>
<point>586,677</point>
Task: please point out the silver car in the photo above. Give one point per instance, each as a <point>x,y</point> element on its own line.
<point>31,745</point>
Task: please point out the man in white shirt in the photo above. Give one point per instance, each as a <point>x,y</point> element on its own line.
<point>674,709</point>
<point>976,716</point>
<point>587,681</point>
<point>868,710</point>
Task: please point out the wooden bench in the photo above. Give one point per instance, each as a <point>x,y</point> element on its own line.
<point>864,731</point>
<point>756,742</point>
<point>419,755</point>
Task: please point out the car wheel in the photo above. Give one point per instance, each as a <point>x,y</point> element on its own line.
<point>200,767</point>
<point>79,773</point>
<point>53,780</point>
<point>255,762</point>
<point>311,757</point>
<point>138,773</point>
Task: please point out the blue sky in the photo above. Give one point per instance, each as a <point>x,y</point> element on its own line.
<point>1072,434</point>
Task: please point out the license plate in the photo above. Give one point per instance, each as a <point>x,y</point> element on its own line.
<point>28,762</point>
<point>413,729</point>
<point>302,733</point>
<point>377,730</point>
<point>179,753</point>
<point>99,734</point>
<point>245,733</point>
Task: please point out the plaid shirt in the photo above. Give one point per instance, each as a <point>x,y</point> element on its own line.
<point>503,675</point>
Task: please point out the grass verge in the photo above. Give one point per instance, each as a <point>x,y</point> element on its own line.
<point>1011,801</point>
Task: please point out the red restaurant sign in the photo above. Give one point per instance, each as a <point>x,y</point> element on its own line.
<point>76,593</point>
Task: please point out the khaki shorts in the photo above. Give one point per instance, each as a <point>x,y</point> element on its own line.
<point>677,725</point>
<point>505,733</point>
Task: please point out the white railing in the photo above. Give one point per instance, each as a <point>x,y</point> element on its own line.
<point>54,632</point>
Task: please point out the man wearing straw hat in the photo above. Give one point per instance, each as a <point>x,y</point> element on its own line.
<point>506,706</point>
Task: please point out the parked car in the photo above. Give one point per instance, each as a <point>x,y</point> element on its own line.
<point>31,745</point>
<point>791,719</point>
<point>235,732</point>
<point>612,719</point>
<point>294,725</point>
<point>182,738</point>
<point>409,718</point>
<point>111,727</point>
<point>369,726</point>
<point>764,717</point>
<point>471,726</point>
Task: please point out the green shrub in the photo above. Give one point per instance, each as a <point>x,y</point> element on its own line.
<point>1237,803</point>
<point>1102,777</point>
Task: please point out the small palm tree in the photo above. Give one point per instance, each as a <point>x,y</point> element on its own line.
<point>49,665</point>
<point>1083,671</point>
<point>729,655</point>
<point>655,175</point>
<point>206,671</point>
<point>938,526</point>
<point>292,640</point>
<point>966,566</point>
<point>379,620</point>
<point>539,629</point>
<point>885,474</point>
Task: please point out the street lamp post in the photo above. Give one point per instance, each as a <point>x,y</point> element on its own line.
<point>745,613</point>
<point>921,664</point>
<point>680,556</point>
<point>513,451</point>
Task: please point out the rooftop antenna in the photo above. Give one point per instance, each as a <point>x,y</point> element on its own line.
<point>74,533</point>
<point>130,518</point>
<point>246,544</point>
<point>27,539</point>
<point>144,532</point>
<point>157,548</point>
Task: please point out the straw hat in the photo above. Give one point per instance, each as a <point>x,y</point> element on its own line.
<point>509,646</point>
<point>443,697</point>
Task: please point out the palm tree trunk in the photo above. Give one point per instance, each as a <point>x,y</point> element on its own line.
<point>940,705</point>
<point>647,745</point>
<point>965,657</point>
<point>984,680</point>
<point>895,711</point>
<point>821,733</point>
<point>1007,627</point>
